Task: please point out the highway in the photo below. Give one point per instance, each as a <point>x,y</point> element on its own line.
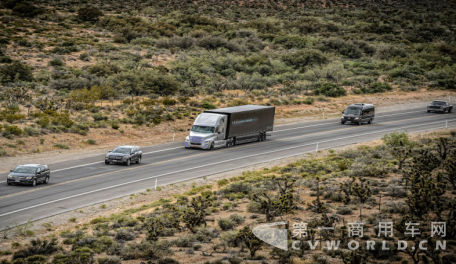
<point>89,181</point>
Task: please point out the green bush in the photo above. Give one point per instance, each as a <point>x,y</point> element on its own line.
<point>91,141</point>
<point>226,224</point>
<point>44,121</point>
<point>309,100</point>
<point>331,90</point>
<point>115,126</point>
<point>207,105</point>
<point>169,101</point>
<point>305,58</point>
<point>61,146</point>
<point>376,87</point>
<point>99,117</point>
<point>14,130</point>
<point>89,13</point>
<point>15,71</point>
<point>56,62</point>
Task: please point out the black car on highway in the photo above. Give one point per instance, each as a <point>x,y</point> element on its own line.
<point>29,174</point>
<point>124,155</point>
<point>439,106</point>
<point>358,113</point>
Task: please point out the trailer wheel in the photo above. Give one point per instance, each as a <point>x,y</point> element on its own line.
<point>234,142</point>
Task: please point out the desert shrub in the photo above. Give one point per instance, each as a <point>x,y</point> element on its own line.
<point>237,188</point>
<point>30,131</point>
<point>185,241</point>
<point>376,87</point>
<point>396,207</point>
<point>346,48</point>
<point>111,260</point>
<point>13,130</point>
<point>79,256</point>
<point>168,261</point>
<point>344,211</point>
<point>169,101</point>
<point>397,139</point>
<point>237,219</point>
<point>222,182</point>
<point>226,224</point>
<point>207,105</point>
<point>304,58</point>
<point>38,247</point>
<point>291,41</point>
<point>103,69</point>
<point>238,102</point>
<point>125,235</point>
<point>99,117</point>
<point>56,62</point>
<point>389,52</point>
<point>27,10</point>
<point>331,90</point>
<point>176,41</point>
<point>15,71</point>
<point>396,191</point>
<point>89,13</point>
<point>91,141</point>
<point>61,146</point>
<point>44,121</point>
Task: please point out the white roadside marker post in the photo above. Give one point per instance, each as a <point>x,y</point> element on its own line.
<point>316,148</point>
<point>156,180</point>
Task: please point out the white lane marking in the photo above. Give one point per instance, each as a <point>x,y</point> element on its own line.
<point>202,166</point>
<point>338,122</point>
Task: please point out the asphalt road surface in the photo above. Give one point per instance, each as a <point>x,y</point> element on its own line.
<point>85,182</point>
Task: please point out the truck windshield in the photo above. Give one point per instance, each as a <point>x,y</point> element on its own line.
<point>22,169</point>
<point>352,111</point>
<point>203,129</point>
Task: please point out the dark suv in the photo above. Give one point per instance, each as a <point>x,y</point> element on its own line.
<point>30,174</point>
<point>124,154</point>
<point>439,106</point>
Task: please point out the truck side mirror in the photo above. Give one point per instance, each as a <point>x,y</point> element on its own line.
<point>342,112</point>
<point>11,170</point>
<point>109,150</point>
<point>218,132</point>
<point>188,129</point>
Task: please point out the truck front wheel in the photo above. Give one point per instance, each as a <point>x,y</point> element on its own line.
<point>212,146</point>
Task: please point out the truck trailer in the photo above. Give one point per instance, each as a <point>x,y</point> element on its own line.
<point>230,126</point>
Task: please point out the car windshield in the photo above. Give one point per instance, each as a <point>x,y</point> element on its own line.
<point>352,111</point>
<point>22,169</point>
<point>121,150</point>
<point>438,103</point>
<point>203,129</point>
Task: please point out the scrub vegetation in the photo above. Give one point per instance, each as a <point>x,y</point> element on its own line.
<point>76,66</point>
<point>213,224</point>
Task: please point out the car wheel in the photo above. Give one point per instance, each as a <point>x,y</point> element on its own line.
<point>9,183</point>
<point>429,111</point>
<point>359,123</point>
<point>46,181</point>
<point>370,121</point>
<point>34,183</point>
<point>449,110</point>
<point>107,162</point>
<point>138,161</point>
<point>128,162</point>
<point>342,122</point>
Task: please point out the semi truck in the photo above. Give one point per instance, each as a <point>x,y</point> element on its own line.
<point>229,126</point>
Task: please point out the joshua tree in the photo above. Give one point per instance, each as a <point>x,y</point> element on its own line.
<point>253,243</point>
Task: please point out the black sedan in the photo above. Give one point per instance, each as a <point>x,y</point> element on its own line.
<point>29,174</point>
